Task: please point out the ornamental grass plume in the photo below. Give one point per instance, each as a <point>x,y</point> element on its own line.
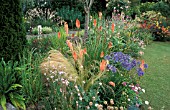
<point>77,23</point>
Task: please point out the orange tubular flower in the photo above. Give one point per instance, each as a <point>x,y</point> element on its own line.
<point>81,53</point>
<point>112,83</point>
<point>59,35</point>
<point>102,54</point>
<point>110,45</point>
<point>142,65</point>
<point>95,22</point>
<point>77,23</point>
<point>100,28</point>
<point>85,51</point>
<point>103,65</point>
<point>66,27</point>
<point>69,45</point>
<point>74,56</point>
<point>113,27</point>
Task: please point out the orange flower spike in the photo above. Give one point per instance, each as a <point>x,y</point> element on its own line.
<point>59,35</point>
<point>103,65</point>
<point>77,23</point>
<point>100,28</point>
<point>85,51</point>
<point>95,22</point>
<point>110,45</point>
<point>81,53</point>
<point>74,56</point>
<point>113,27</point>
<point>66,27</point>
<point>112,83</point>
<point>69,45</point>
<point>142,65</point>
<point>102,54</point>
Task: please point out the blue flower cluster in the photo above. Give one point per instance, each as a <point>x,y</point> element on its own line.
<point>125,61</point>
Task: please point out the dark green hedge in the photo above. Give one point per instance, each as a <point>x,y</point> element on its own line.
<point>12,32</point>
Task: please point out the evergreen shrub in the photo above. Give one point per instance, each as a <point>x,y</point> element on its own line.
<point>12,32</point>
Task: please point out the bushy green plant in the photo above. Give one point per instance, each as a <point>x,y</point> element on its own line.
<point>35,31</point>
<point>12,30</point>
<point>70,15</point>
<point>32,80</point>
<point>46,30</point>
<point>122,82</point>
<point>10,85</point>
<point>42,45</point>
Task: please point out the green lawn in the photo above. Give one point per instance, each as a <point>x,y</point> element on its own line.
<point>156,81</point>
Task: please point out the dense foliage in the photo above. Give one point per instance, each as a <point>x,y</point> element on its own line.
<point>12,30</point>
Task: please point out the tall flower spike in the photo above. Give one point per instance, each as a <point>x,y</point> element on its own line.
<point>85,51</point>
<point>81,53</point>
<point>59,35</point>
<point>102,54</point>
<point>69,45</point>
<point>66,27</point>
<point>103,65</point>
<point>113,27</point>
<point>77,23</point>
<point>95,22</point>
<point>142,65</point>
<point>74,55</point>
<point>110,45</point>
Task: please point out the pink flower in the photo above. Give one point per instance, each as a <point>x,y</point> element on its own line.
<point>124,83</point>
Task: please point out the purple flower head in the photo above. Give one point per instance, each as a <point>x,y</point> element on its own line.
<point>140,72</point>
<point>112,68</point>
<point>145,65</point>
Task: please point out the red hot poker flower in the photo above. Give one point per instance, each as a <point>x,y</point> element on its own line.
<point>77,23</point>
<point>95,22</point>
<point>59,35</point>
<point>103,65</point>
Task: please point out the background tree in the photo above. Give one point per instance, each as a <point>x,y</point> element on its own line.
<point>12,32</point>
<point>87,7</point>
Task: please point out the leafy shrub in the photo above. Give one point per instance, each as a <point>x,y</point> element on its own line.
<point>10,85</point>
<point>160,6</point>
<point>35,31</point>
<point>157,24</point>
<point>46,30</point>
<point>70,15</point>
<point>40,45</point>
<point>12,30</point>
<point>32,80</point>
<point>122,82</point>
